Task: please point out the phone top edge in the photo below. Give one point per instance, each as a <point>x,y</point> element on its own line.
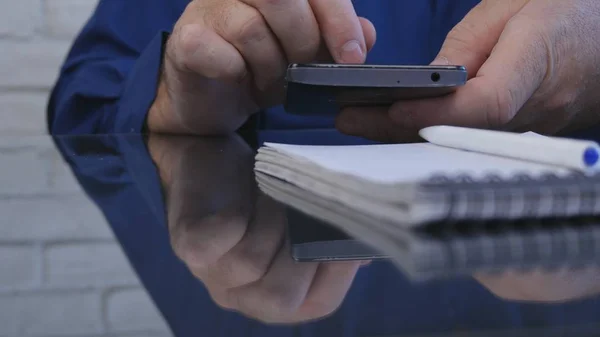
<point>375,66</point>
<point>378,76</point>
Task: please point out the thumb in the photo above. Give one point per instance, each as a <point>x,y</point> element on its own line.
<point>501,86</point>
<point>472,40</point>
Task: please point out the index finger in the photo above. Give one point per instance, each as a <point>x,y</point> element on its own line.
<point>341,29</point>
<point>294,24</point>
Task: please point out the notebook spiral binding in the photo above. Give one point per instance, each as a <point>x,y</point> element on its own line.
<point>569,244</point>
<point>521,196</point>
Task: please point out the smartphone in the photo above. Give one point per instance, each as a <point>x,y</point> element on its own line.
<point>326,88</point>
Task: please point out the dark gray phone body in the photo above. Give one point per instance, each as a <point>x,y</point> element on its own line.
<point>314,240</point>
<point>325,88</point>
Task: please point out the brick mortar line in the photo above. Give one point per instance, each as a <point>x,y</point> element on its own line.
<point>43,25</point>
<point>33,242</point>
<point>57,291</point>
<point>34,38</point>
<point>29,196</point>
<point>59,38</point>
<point>106,294</point>
<point>40,271</point>
<point>75,195</point>
<point>16,244</point>
<point>22,149</point>
<point>47,243</point>
<point>19,38</point>
<point>25,89</point>
<point>100,290</point>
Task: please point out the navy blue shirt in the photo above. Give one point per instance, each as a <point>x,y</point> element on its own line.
<point>107,85</point>
<point>109,78</point>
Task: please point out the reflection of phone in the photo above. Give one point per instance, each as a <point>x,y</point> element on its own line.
<point>325,88</point>
<point>313,240</point>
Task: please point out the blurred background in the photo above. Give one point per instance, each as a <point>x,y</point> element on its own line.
<point>34,37</point>
<point>62,275</point>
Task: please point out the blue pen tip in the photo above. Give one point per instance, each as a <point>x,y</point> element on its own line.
<point>590,156</point>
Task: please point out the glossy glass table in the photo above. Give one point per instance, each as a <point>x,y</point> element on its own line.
<point>213,254</point>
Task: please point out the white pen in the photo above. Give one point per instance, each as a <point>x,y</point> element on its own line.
<point>571,153</point>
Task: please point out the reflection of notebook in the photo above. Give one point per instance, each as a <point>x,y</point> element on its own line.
<point>405,199</point>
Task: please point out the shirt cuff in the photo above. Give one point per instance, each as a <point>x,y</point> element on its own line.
<point>140,87</point>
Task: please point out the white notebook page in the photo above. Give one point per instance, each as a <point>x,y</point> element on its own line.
<point>406,163</point>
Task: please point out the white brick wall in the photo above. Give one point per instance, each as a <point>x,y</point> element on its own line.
<point>30,64</point>
<point>20,19</point>
<point>22,112</point>
<point>52,313</point>
<point>34,38</point>
<point>83,264</point>
<point>64,18</point>
<point>17,266</point>
<point>130,310</point>
<point>61,271</point>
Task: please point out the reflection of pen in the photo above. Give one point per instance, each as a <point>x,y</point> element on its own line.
<point>572,153</point>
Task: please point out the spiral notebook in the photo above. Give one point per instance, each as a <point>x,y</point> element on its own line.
<point>405,199</point>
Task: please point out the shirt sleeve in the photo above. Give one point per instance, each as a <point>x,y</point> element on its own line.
<point>110,76</point>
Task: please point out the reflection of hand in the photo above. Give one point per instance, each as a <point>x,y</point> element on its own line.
<point>532,65</point>
<point>559,286</point>
<point>232,238</point>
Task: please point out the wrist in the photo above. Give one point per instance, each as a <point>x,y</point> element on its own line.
<point>157,121</point>
<point>161,115</point>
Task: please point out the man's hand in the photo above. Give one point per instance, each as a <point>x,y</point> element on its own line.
<point>231,55</point>
<point>544,287</point>
<point>232,237</point>
<point>532,65</point>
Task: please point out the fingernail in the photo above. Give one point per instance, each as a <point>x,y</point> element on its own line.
<point>441,61</point>
<point>352,53</point>
<point>365,263</point>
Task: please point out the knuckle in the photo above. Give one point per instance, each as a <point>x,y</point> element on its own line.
<point>187,40</point>
<point>269,3</point>
<point>249,269</point>
<point>462,37</point>
<point>222,303</point>
<point>196,252</point>
<point>306,50</point>
<point>219,17</point>
<point>502,107</point>
<point>194,256</point>
<point>246,303</point>
<point>229,67</point>
<point>237,270</point>
<point>566,101</point>
<point>220,298</point>
<point>281,300</point>
<point>252,28</point>
<point>320,309</point>
<point>196,44</point>
<point>179,243</point>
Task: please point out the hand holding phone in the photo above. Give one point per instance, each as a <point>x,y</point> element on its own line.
<point>326,88</point>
